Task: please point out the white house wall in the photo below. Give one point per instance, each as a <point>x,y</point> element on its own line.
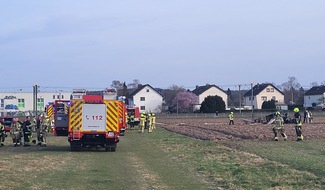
<point>213,91</point>
<point>309,100</point>
<point>258,101</point>
<point>153,100</point>
<point>269,96</point>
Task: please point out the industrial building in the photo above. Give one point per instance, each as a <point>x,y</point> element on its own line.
<point>24,101</point>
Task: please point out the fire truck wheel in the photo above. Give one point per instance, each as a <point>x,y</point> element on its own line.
<point>75,147</point>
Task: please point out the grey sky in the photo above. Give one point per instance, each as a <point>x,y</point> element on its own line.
<point>79,43</point>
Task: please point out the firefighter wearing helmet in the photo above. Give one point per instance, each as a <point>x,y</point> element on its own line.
<point>150,122</point>
<point>231,118</point>
<point>153,121</point>
<point>142,122</point>
<point>45,124</point>
<point>278,128</point>
<point>15,131</point>
<point>298,124</point>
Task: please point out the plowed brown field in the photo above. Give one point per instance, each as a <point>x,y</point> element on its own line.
<point>215,129</point>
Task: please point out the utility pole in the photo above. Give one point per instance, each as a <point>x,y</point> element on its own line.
<point>252,96</point>
<point>35,90</point>
<point>239,85</point>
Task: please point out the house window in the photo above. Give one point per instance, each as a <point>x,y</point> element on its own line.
<point>58,96</point>
<point>21,103</point>
<point>142,98</point>
<point>53,97</point>
<point>272,89</point>
<point>2,103</point>
<point>267,90</point>
<point>273,98</point>
<point>264,98</point>
<point>147,90</point>
<point>142,107</point>
<point>62,97</point>
<point>40,103</point>
<point>250,98</point>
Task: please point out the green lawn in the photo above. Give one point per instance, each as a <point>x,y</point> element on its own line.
<point>165,160</point>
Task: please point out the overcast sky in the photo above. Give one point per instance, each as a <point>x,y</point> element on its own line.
<point>84,43</point>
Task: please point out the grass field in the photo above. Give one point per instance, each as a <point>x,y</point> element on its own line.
<point>166,160</point>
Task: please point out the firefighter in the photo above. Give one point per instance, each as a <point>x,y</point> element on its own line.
<point>38,129</point>
<point>127,117</point>
<point>131,121</point>
<point>27,133</point>
<point>142,122</point>
<point>231,118</point>
<point>298,124</point>
<point>2,133</point>
<point>15,131</point>
<point>149,122</point>
<point>278,128</point>
<point>153,121</point>
<point>45,124</point>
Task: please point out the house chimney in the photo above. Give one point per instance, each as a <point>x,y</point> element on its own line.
<point>197,86</point>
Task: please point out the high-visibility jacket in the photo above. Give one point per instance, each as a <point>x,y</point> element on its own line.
<point>231,116</point>
<point>297,119</point>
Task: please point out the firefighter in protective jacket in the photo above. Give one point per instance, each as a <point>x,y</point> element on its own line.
<point>15,131</point>
<point>27,132</point>
<point>2,133</point>
<point>45,124</point>
<point>298,124</point>
<point>231,118</point>
<point>142,122</point>
<point>278,128</point>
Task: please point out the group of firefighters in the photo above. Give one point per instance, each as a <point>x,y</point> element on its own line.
<point>278,128</point>
<point>19,130</point>
<point>278,125</point>
<point>147,121</point>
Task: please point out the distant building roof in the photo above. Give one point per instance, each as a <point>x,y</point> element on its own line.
<point>316,90</point>
<point>141,88</point>
<point>201,89</point>
<point>258,88</point>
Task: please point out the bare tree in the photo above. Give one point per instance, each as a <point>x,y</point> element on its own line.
<point>171,92</point>
<point>314,84</point>
<point>117,84</point>
<point>292,91</point>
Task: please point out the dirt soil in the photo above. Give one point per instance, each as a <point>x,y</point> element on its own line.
<point>216,129</point>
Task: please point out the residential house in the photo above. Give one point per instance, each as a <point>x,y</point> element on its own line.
<point>209,90</point>
<point>146,98</point>
<point>263,92</point>
<point>315,97</point>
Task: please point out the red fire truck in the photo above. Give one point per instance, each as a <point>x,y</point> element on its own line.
<point>134,113</point>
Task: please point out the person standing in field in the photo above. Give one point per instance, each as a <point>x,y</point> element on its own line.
<point>153,121</point>
<point>15,131</point>
<point>231,118</point>
<point>298,124</point>
<point>2,133</point>
<point>310,117</point>
<point>27,132</point>
<point>278,128</point>
<point>142,122</point>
